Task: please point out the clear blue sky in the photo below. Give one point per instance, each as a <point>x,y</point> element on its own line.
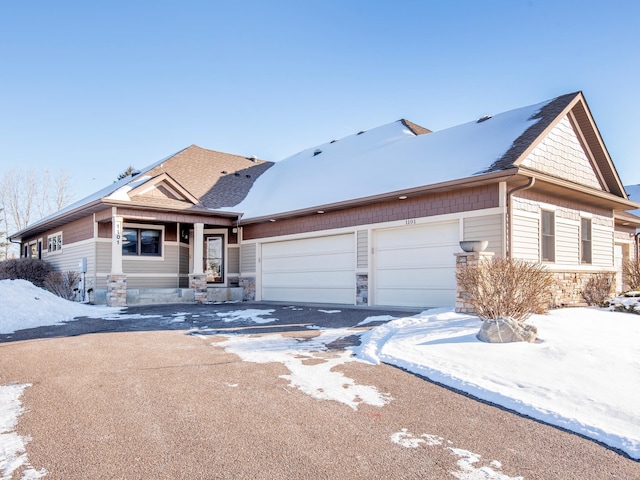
<point>92,87</point>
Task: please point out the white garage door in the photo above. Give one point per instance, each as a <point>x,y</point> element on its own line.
<point>415,266</point>
<point>310,270</point>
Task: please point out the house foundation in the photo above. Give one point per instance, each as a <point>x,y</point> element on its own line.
<point>198,283</point>
<point>116,290</point>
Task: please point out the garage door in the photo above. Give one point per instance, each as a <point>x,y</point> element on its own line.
<point>415,266</point>
<point>310,270</point>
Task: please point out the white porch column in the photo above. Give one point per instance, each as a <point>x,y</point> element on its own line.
<point>198,248</point>
<point>116,246</point>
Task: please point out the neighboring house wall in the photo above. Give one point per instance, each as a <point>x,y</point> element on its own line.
<point>561,154</point>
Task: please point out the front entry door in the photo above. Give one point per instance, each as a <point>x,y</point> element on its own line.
<point>213,259</point>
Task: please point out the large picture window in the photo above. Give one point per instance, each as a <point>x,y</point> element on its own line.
<point>142,241</point>
<point>585,240</point>
<point>548,236</point>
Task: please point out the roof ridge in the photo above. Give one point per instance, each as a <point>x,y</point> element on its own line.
<point>545,116</point>
<point>414,127</point>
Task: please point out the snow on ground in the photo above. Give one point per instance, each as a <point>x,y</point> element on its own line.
<point>467,470</point>
<point>251,315</point>
<point>12,446</point>
<point>310,367</point>
<point>583,374</point>
<point>26,306</point>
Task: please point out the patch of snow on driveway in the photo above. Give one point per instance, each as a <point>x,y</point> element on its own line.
<point>12,445</point>
<point>251,314</point>
<point>310,366</point>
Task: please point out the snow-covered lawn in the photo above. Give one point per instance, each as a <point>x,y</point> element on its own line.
<point>582,375</point>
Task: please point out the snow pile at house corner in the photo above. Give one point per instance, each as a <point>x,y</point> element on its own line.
<point>389,158</point>
<point>26,306</point>
<point>583,374</point>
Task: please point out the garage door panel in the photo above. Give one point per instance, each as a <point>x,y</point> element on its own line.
<point>319,269</point>
<point>424,257</point>
<point>411,298</point>
<point>316,262</point>
<point>315,295</point>
<point>432,277</point>
<point>415,266</point>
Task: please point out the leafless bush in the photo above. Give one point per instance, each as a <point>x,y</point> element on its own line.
<point>597,290</point>
<point>501,287</point>
<point>631,270</point>
<point>31,269</point>
<point>62,284</point>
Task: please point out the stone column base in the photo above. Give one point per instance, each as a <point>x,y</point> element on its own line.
<point>248,285</point>
<point>199,285</point>
<point>116,290</point>
<point>466,260</point>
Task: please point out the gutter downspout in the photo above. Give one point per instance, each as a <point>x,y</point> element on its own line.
<point>531,183</point>
<point>17,243</point>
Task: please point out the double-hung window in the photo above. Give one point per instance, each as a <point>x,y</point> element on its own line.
<point>142,241</point>
<point>585,240</point>
<point>548,236</point>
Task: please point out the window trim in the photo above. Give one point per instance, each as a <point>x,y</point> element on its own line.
<point>583,220</point>
<point>218,232</point>
<point>138,255</point>
<point>55,243</point>
<point>548,236</point>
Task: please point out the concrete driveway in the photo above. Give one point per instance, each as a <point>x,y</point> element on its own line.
<point>162,398</point>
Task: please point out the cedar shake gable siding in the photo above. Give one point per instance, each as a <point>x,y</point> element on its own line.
<point>441,203</point>
<point>546,116</point>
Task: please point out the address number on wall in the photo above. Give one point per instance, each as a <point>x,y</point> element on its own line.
<point>410,221</point>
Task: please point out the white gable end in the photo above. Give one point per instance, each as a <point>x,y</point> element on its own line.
<point>560,154</point>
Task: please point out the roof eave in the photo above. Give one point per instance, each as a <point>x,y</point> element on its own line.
<point>467,182</point>
<point>574,191</point>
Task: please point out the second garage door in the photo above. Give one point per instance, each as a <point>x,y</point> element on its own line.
<point>318,269</point>
<point>415,266</point>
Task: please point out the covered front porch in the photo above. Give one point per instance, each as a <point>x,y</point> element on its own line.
<point>163,257</point>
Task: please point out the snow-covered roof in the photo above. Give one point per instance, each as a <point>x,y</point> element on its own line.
<point>390,158</point>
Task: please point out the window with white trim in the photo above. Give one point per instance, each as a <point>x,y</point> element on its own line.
<point>548,236</point>
<point>142,241</point>
<point>585,240</point>
<point>54,242</point>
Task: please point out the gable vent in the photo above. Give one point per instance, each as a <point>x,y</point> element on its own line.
<point>484,119</point>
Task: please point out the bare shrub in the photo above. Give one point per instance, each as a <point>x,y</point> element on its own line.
<point>62,284</point>
<point>506,288</point>
<point>31,269</point>
<point>597,290</point>
<point>631,270</point>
